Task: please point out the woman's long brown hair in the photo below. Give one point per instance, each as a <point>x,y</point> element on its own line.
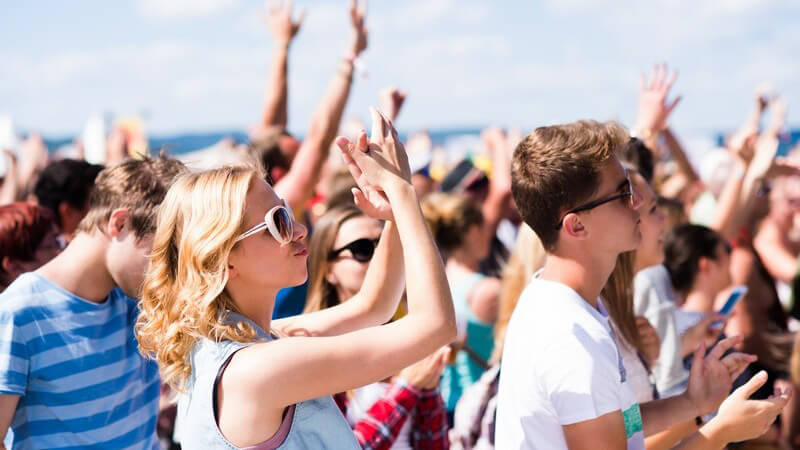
<point>322,294</point>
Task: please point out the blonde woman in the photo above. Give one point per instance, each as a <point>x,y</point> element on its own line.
<point>225,245</point>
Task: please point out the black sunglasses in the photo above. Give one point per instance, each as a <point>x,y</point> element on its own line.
<point>601,201</point>
<point>361,249</point>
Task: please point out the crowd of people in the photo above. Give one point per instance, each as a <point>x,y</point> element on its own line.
<point>560,289</point>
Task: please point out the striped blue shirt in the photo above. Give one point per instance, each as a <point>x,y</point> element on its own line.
<point>75,365</point>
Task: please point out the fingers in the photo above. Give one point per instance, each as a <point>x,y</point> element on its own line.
<point>697,361</point>
<point>388,128</point>
<point>300,18</point>
<point>358,198</point>
<point>674,103</point>
<point>377,125</point>
<point>346,148</point>
<point>362,9</point>
<point>735,363</point>
<point>752,385</point>
<point>362,143</point>
<point>723,346</point>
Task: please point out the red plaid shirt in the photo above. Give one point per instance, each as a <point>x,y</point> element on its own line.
<point>380,427</point>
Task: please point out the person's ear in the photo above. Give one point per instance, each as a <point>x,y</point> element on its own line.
<point>574,226</point>
<point>118,221</point>
<point>232,272</point>
<point>703,264</point>
<point>7,264</point>
<point>331,278</point>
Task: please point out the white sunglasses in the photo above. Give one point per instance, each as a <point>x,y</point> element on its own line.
<point>279,221</point>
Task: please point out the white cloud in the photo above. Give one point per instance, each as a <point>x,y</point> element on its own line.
<point>181,9</point>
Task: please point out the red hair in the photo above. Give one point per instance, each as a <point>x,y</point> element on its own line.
<point>22,228</point>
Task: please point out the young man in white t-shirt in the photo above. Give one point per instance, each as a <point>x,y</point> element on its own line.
<point>562,383</point>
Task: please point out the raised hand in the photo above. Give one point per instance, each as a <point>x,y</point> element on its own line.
<point>650,340</point>
<point>711,377</point>
<point>358,13</point>
<point>376,165</point>
<point>391,100</point>
<point>9,183</point>
<point>745,419</point>
<point>425,373</point>
<point>654,109</point>
<point>281,25</point>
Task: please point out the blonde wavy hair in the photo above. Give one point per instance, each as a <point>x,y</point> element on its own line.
<point>183,296</point>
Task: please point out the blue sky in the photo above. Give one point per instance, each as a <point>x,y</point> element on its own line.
<point>200,65</point>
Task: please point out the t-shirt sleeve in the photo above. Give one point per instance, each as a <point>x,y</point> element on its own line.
<point>14,356</point>
<point>583,379</point>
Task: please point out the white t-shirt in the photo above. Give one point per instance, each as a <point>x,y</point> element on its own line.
<point>654,299</point>
<point>560,366</point>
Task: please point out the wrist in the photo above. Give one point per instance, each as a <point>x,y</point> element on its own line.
<point>350,57</point>
<point>717,432</point>
<point>691,407</point>
<point>282,45</point>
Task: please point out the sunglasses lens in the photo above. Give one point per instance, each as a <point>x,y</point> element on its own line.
<point>362,250</point>
<point>283,223</point>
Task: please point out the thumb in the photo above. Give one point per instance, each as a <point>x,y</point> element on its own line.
<point>752,385</point>
<point>358,197</point>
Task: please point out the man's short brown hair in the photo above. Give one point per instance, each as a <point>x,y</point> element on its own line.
<point>138,185</point>
<point>557,168</point>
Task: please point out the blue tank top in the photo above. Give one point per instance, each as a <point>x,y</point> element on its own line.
<point>480,338</point>
<point>316,423</point>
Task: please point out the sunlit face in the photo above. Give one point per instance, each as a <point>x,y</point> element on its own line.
<point>651,249</point>
<point>259,261</point>
<point>614,225</point>
<point>346,271</point>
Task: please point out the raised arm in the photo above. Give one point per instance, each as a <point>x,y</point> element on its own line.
<point>294,369</point>
<point>9,186</point>
<point>377,300</point>
<point>283,30</point>
<point>298,184</point>
<point>497,202</point>
<point>653,110</point>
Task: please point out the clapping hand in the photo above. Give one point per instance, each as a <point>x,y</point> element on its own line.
<point>748,419</point>
<point>376,165</point>
<point>650,340</point>
<point>711,377</point>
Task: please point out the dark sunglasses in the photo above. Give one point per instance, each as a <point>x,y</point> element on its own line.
<point>601,201</point>
<point>361,249</point>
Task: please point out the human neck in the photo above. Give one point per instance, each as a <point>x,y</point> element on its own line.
<point>698,300</point>
<point>641,263</point>
<point>463,260</point>
<point>81,268</point>
<point>256,305</point>
<point>585,274</point>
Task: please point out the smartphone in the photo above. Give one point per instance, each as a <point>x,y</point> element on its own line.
<point>736,294</point>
